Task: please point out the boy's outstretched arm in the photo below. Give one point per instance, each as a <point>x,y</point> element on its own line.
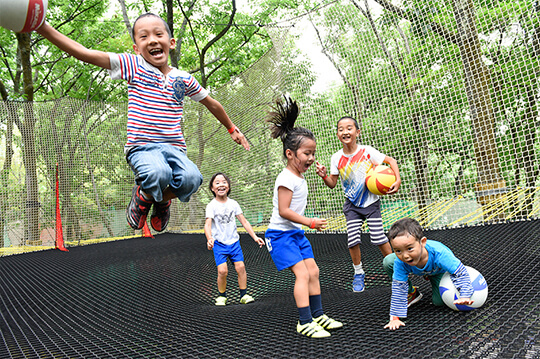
<point>219,112</point>
<point>73,48</point>
<point>250,230</point>
<point>394,166</point>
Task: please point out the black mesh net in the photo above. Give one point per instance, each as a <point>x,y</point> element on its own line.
<point>154,298</point>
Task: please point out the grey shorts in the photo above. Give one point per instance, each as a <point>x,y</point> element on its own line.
<point>356,216</point>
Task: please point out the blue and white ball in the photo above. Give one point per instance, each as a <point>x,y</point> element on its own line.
<point>449,293</point>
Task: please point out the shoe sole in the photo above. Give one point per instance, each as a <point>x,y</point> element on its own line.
<point>326,335</point>
<point>358,291</point>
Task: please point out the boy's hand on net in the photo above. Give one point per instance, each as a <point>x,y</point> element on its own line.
<point>210,243</point>
<point>394,324</point>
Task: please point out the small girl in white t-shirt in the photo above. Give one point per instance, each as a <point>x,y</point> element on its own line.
<point>285,238</point>
<point>223,238</point>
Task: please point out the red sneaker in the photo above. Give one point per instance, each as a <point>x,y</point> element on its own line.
<point>160,215</point>
<point>137,209</point>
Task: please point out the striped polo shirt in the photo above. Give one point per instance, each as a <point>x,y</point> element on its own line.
<point>155,100</point>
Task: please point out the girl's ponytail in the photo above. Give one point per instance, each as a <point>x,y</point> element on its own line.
<point>282,120</point>
<point>283,117</point>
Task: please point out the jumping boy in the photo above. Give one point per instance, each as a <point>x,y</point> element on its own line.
<point>155,147</point>
<point>414,253</point>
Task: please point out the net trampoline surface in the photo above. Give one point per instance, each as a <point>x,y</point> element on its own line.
<point>154,298</point>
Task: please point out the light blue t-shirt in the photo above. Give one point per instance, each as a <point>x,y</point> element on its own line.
<point>440,260</point>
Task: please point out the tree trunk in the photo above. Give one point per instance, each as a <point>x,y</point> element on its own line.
<point>29,145</point>
<point>478,85</point>
<point>6,170</point>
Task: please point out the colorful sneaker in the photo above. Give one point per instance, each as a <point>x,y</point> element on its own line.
<point>358,283</point>
<point>246,299</point>
<point>160,215</point>
<point>312,330</point>
<point>221,300</point>
<point>137,209</point>
<point>414,297</point>
<point>327,323</point>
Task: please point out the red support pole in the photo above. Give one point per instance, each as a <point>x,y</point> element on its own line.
<point>146,231</point>
<point>59,241</point>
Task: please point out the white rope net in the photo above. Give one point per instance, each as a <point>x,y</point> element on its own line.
<point>449,92</point>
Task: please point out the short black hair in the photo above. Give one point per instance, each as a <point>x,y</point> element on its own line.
<point>350,118</point>
<point>406,226</point>
<point>212,181</point>
<point>148,14</point>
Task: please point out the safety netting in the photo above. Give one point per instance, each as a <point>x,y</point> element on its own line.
<point>448,90</point>
<point>154,298</point>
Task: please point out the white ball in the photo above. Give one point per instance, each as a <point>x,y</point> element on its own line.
<point>449,293</point>
<point>22,15</point>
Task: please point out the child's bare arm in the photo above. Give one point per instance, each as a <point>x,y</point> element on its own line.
<point>284,203</point>
<point>394,166</point>
<point>208,233</point>
<point>329,180</point>
<point>73,48</point>
<point>250,230</point>
<point>219,112</point>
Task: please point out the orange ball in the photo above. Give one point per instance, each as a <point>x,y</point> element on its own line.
<point>379,179</point>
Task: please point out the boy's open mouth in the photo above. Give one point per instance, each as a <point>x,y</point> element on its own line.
<point>156,52</point>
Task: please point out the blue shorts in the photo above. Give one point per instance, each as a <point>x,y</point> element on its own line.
<point>232,251</point>
<point>158,166</point>
<point>287,247</point>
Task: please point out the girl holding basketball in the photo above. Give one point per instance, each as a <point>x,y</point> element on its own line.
<point>350,164</point>
<point>285,238</point>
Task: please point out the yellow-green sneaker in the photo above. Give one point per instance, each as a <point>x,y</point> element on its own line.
<point>221,300</point>
<point>246,299</point>
<point>312,330</point>
<point>327,322</point>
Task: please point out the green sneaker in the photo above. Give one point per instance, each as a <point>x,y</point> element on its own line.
<point>312,330</point>
<point>221,300</point>
<point>327,323</point>
<point>246,299</point>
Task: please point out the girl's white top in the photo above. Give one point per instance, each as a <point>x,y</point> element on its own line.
<point>224,220</point>
<point>299,188</point>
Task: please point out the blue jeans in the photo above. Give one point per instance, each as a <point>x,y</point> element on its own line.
<point>158,166</point>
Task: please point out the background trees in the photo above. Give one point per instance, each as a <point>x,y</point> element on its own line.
<point>450,90</point>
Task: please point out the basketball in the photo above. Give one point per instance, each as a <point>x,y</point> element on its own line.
<point>449,293</point>
<point>379,179</point>
<point>22,15</point>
